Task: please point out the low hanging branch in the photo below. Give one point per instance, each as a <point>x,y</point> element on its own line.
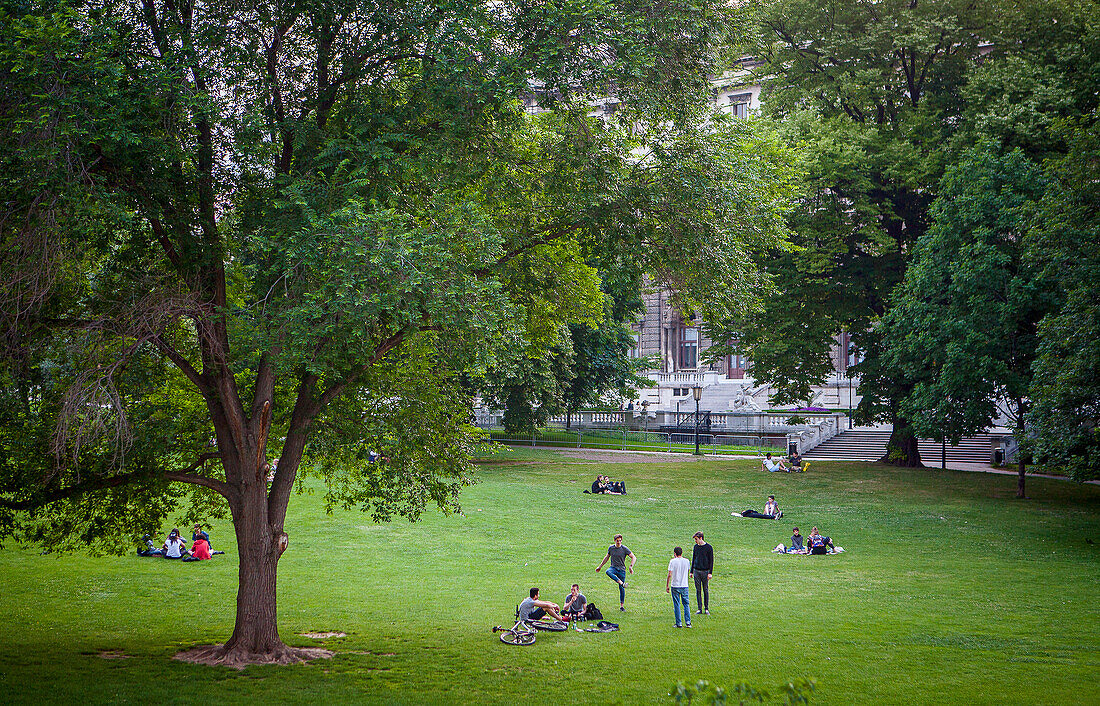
<point>186,475</point>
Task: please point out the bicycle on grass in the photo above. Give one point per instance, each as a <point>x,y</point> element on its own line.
<point>524,632</point>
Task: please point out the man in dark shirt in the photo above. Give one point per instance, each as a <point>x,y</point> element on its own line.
<point>617,553</point>
<point>702,566</point>
<point>575,602</point>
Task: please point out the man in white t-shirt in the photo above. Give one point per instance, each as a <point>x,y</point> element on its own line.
<point>677,585</point>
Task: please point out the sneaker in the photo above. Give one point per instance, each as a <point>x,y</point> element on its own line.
<point>624,584</point>
<point>677,626</point>
<point>622,608</point>
<point>706,612</point>
<point>688,625</point>
<point>698,612</point>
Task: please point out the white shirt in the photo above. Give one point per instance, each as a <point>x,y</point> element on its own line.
<point>772,464</point>
<point>174,546</point>
<point>680,567</point>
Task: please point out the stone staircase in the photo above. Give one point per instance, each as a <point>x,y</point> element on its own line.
<point>869,444</point>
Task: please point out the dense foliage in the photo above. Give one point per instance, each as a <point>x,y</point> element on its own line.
<point>281,229</point>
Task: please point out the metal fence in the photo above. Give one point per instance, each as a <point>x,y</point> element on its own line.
<point>630,440</point>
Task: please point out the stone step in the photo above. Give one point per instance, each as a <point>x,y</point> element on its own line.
<point>860,444</point>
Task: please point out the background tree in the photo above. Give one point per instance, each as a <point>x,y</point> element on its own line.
<point>962,329</point>
<point>1064,422</point>
<point>234,232</point>
<point>869,94</point>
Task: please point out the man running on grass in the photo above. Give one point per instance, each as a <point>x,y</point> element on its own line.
<point>617,553</point>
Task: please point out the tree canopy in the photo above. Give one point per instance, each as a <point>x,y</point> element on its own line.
<point>282,229</point>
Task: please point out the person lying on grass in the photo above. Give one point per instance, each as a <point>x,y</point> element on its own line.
<point>534,609</point>
<point>772,465</point>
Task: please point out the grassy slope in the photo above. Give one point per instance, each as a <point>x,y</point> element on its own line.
<point>951,591</point>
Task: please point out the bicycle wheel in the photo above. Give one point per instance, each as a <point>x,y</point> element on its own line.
<point>556,626</point>
<point>515,637</point>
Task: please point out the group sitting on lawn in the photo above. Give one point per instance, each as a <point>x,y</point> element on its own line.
<point>816,543</point>
<point>175,548</point>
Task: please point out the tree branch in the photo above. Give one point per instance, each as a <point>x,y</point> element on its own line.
<point>94,484</point>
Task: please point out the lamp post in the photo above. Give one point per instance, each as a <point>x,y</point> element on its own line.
<point>697,393</point>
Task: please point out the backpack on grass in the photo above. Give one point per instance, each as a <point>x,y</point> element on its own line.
<point>591,612</point>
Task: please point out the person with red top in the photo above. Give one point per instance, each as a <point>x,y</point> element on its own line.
<point>200,549</point>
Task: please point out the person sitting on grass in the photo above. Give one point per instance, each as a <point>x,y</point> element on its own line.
<point>819,544</point>
<point>772,508</point>
<point>198,533</point>
<point>574,604</point>
<point>200,550</point>
<point>771,505</point>
<point>532,608</point>
<point>150,548</point>
<point>603,486</point>
<point>174,546</point>
<point>772,465</point>
<point>797,546</point>
<point>797,465</point>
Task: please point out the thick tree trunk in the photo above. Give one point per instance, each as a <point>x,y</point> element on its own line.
<point>1020,478</point>
<point>256,628</point>
<point>901,449</point>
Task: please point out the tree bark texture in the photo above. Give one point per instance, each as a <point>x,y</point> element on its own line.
<point>901,449</point>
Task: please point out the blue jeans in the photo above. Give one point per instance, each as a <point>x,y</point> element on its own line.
<point>680,595</point>
<point>619,577</point>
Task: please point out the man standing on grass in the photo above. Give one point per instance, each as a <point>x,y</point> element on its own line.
<point>617,553</point>
<point>677,585</point>
<point>702,566</point>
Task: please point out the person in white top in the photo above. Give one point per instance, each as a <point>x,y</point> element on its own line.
<point>174,547</point>
<point>677,585</point>
<point>772,465</point>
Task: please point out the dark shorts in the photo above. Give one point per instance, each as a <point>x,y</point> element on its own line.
<point>536,614</point>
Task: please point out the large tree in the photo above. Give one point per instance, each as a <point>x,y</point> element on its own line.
<point>238,231</point>
<point>962,329</point>
<point>868,92</point>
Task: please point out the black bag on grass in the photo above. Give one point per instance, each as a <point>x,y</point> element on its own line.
<point>591,612</point>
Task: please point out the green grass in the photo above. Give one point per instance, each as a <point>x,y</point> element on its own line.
<point>951,591</point>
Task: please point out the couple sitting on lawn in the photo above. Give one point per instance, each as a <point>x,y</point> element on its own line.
<point>534,609</point>
<point>772,465</point>
<point>814,544</point>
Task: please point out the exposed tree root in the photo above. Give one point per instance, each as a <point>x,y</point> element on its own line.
<point>237,658</point>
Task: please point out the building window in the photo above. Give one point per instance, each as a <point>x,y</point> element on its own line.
<point>854,354</point>
<point>689,348</point>
<point>635,350</point>
<point>739,104</point>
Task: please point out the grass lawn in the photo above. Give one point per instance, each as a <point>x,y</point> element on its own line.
<point>951,591</point>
